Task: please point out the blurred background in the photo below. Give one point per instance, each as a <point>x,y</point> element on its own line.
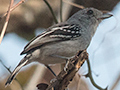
<point>33,17</point>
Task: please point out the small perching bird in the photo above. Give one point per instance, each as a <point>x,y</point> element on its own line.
<point>62,41</point>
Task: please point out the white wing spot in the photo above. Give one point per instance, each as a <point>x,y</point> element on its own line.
<point>77,28</point>
<point>68,30</point>
<point>77,32</point>
<point>64,30</point>
<point>73,32</point>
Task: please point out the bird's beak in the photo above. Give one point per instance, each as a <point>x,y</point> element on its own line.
<point>105,15</point>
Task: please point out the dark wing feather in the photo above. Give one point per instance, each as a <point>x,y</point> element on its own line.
<point>55,33</point>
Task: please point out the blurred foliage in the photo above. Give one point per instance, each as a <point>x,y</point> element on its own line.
<point>29,16</point>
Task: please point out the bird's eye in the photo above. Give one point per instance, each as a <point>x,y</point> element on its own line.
<point>90,12</point>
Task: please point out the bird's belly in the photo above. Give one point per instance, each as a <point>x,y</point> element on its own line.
<point>58,52</point>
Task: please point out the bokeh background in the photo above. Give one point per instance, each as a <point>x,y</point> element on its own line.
<point>32,17</point>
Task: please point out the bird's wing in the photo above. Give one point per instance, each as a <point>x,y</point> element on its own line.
<point>55,33</point>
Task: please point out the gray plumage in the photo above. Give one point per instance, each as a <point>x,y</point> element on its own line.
<point>62,41</point>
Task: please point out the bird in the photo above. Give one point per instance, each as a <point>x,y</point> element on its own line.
<point>61,41</point>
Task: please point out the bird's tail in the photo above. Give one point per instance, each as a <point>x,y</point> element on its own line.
<point>16,70</point>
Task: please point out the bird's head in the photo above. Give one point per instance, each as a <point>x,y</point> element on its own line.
<point>89,15</point>
<point>89,18</point>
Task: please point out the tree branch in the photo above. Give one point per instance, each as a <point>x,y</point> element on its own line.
<point>61,5</point>
<point>10,72</point>
<point>91,78</point>
<point>6,21</point>
<point>67,74</point>
<point>51,10</point>
<point>12,8</point>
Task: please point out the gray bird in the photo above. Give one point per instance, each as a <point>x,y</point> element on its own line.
<point>62,41</point>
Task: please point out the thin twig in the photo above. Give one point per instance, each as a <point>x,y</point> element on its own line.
<point>51,10</point>
<point>6,21</point>
<point>12,8</point>
<point>74,4</point>
<point>91,78</point>
<point>5,67</point>
<point>61,5</point>
<point>10,72</point>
